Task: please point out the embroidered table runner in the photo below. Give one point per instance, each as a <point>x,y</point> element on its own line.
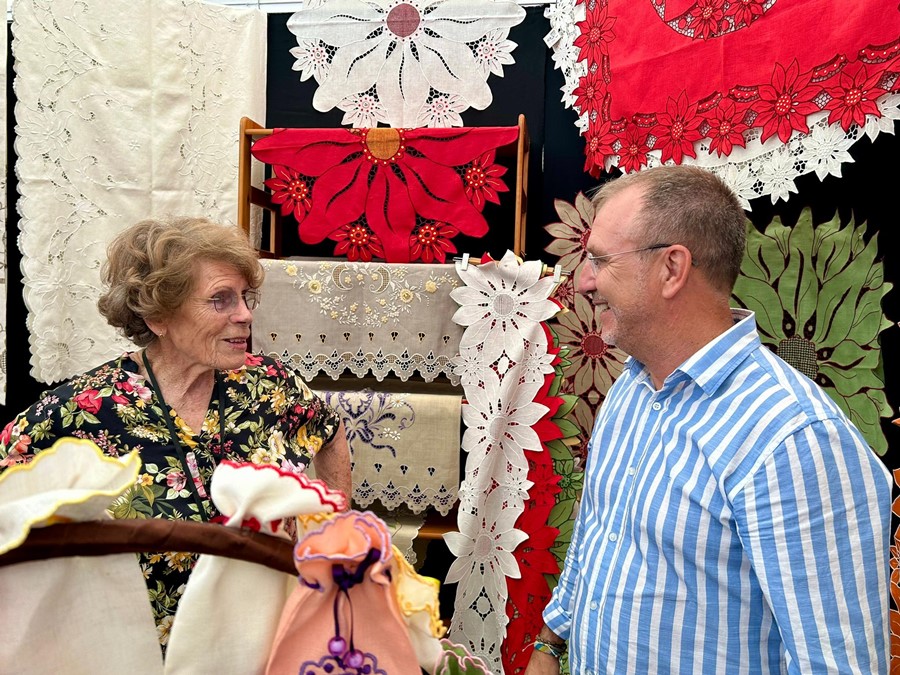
<point>331,316</point>
<point>405,447</point>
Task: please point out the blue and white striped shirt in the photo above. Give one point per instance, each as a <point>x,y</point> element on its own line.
<point>732,522</point>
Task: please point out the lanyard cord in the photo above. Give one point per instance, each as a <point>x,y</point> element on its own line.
<point>167,418</point>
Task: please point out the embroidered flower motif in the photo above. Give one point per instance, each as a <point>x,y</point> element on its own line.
<point>831,341</point>
<point>677,129</point>
<point>744,12</point>
<point>706,18</point>
<point>854,98</point>
<point>589,92</point>
<point>363,110</point>
<point>825,150</point>
<point>402,51</point>
<point>357,242</point>
<point>726,128</point>
<point>570,235</point>
<point>482,179</point>
<point>291,191</point>
<point>484,545</point>
<point>312,59</point>
<point>442,110</point>
<point>594,364</point>
<point>633,150</point>
<point>499,418</point>
<point>595,32</point>
<point>494,51</point>
<point>371,185</point>
<point>598,146</point>
<point>502,305</point>
<point>431,242</point>
<point>785,103</point>
<point>778,173</point>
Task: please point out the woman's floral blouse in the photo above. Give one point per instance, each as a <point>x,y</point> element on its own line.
<point>271,417</point>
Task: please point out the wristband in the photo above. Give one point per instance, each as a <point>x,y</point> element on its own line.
<point>556,651</point>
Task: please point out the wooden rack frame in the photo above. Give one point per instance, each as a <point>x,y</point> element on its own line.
<point>249,195</point>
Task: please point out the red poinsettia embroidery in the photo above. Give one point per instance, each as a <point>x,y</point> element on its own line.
<point>391,178</point>
<point>633,153</point>
<point>598,146</point>
<point>291,190</point>
<point>726,128</point>
<point>744,12</point>
<point>785,103</point>
<point>431,242</point>
<point>357,242</point>
<point>589,92</point>
<point>482,178</point>
<point>854,98</point>
<point>706,18</point>
<point>677,129</point>
<point>595,34</point>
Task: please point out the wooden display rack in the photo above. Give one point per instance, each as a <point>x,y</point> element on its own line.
<point>249,195</point>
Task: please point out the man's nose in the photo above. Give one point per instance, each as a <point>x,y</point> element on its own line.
<point>586,283</point>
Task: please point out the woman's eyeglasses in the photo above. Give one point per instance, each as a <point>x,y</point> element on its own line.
<point>227,301</point>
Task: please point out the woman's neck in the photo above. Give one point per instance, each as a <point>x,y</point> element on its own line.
<point>186,387</point>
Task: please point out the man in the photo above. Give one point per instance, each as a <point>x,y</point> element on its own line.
<point>733,520</point>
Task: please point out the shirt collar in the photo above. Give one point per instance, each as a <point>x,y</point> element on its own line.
<point>713,363</point>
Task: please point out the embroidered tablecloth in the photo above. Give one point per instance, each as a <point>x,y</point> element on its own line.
<point>125,111</point>
<point>330,317</point>
<point>405,447</point>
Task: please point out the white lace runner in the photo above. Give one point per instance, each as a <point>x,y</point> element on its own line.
<point>407,64</point>
<point>503,359</point>
<point>405,447</point>
<point>330,317</point>
<point>3,202</point>
<point>126,110</point>
<point>757,170</point>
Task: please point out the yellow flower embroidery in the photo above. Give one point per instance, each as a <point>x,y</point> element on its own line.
<point>314,286</point>
<point>406,295</point>
<point>291,270</point>
<point>430,286</point>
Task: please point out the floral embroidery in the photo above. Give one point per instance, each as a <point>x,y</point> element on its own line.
<point>854,98</point>
<point>744,12</point>
<point>785,103</point>
<point>726,128</point>
<point>633,153</point>
<point>677,129</point>
<point>431,242</point>
<point>596,33</point>
<point>816,330</point>
<point>291,190</point>
<point>372,186</point>
<point>412,61</point>
<point>706,18</point>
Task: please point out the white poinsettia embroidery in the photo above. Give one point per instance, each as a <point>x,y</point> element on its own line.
<point>484,546</point>
<point>502,304</point>
<point>499,418</point>
<point>410,56</point>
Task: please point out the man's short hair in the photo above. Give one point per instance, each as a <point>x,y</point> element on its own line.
<point>693,207</point>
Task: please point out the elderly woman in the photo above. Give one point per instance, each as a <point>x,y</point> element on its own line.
<point>184,291</point>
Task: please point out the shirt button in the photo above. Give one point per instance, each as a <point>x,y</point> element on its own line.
<point>630,470</point>
<point>657,405</point>
<point>594,605</point>
<point>613,536</point>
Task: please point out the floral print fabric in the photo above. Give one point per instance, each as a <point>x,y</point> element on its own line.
<point>271,417</point>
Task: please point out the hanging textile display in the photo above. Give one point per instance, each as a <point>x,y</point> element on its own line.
<point>94,610</point>
<point>3,202</point>
<point>396,194</point>
<point>125,111</point>
<point>817,293</point>
<point>504,361</point>
<point>592,365</point>
<point>387,432</point>
<point>895,578</point>
<point>408,64</point>
<point>758,91</point>
<point>359,317</point>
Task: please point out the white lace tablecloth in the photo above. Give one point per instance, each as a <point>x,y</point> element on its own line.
<point>125,111</point>
<point>329,317</point>
<point>3,200</point>
<point>405,447</point>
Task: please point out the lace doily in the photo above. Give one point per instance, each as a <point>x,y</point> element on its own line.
<point>387,433</point>
<point>385,318</point>
<point>3,201</point>
<point>503,362</point>
<point>758,124</point>
<point>125,111</point>
<point>396,194</point>
<point>406,64</point>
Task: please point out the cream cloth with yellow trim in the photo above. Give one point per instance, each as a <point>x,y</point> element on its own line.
<point>71,615</point>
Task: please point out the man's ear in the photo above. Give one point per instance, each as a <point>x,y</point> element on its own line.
<point>676,270</point>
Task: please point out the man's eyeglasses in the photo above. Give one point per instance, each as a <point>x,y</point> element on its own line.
<point>598,261</point>
<point>227,301</point>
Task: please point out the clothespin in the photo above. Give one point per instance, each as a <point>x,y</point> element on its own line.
<point>463,264</point>
<point>557,274</point>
